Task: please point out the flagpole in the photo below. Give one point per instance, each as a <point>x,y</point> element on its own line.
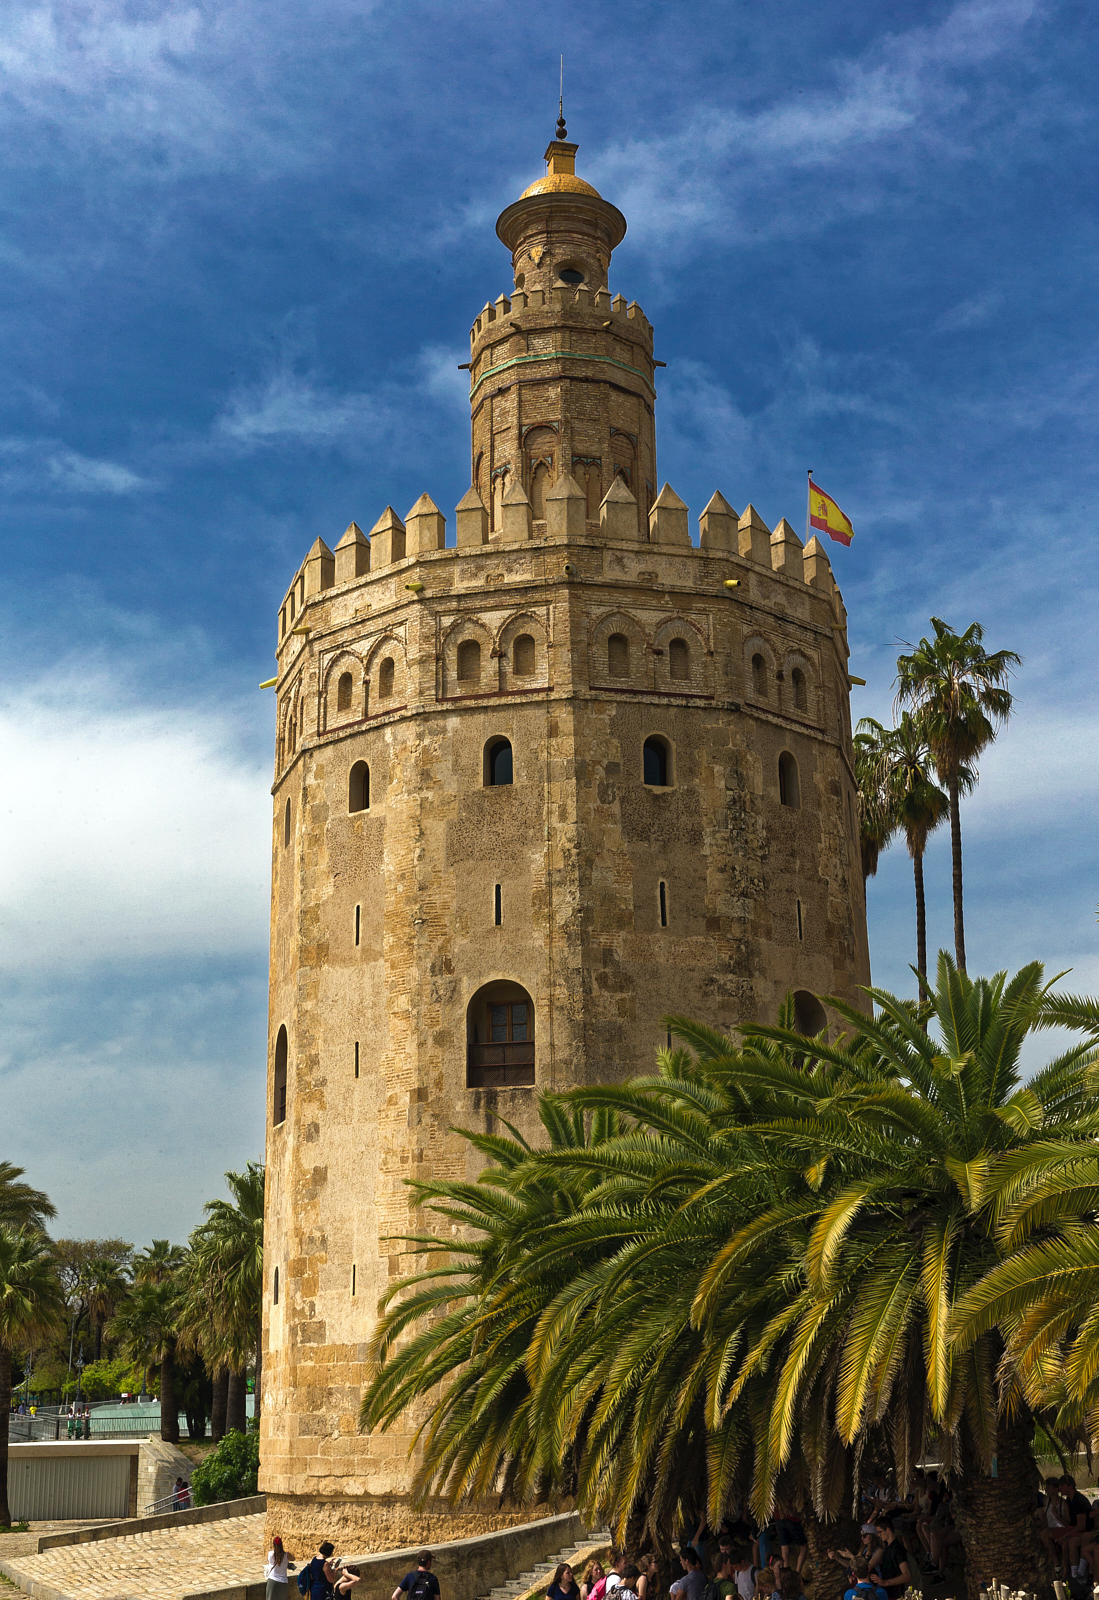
<point>808,503</point>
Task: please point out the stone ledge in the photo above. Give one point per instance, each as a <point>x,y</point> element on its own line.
<point>218,1512</point>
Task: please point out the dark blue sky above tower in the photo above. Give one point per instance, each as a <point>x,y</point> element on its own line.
<point>241,246</point>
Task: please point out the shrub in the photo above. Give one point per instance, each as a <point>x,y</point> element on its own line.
<point>230,1472</point>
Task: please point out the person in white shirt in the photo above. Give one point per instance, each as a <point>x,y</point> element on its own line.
<point>277,1571</point>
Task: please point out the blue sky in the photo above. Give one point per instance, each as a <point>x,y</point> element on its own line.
<point>241,246</point>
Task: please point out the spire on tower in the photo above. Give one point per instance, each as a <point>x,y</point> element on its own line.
<point>562,131</point>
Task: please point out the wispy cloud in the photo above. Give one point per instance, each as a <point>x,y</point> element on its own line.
<point>45,466</point>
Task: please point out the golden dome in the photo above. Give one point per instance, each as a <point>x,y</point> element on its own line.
<point>560,183</point>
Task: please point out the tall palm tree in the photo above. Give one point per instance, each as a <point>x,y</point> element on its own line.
<point>227,1278</point>
<point>877,823</point>
<point>919,806</point>
<point>103,1284</point>
<point>148,1323</point>
<point>961,693</point>
<point>21,1206</point>
<point>32,1308</point>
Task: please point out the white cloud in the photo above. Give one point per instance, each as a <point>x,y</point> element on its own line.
<point>127,833</point>
<point>730,172</point>
<point>971,313</point>
<point>44,466</point>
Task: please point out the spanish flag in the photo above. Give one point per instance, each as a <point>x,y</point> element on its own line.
<point>826,515</point>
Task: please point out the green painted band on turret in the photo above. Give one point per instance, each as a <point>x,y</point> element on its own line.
<point>562,355</point>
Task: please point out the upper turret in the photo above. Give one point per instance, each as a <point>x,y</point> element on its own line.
<point>561,230</point>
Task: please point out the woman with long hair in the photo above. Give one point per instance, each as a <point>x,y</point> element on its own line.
<point>277,1571</point>
<point>594,1575</point>
<point>563,1585</point>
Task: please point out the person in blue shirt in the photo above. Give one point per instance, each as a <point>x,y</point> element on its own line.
<point>862,1585</point>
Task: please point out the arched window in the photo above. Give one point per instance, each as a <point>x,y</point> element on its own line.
<point>286,825</point>
<point>500,1038</point>
<point>385,678</point>
<point>469,661</point>
<point>278,1107</point>
<point>275,1295</point>
<point>801,695</point>
<point>788,792</point>
<point>498,764</point>
<point>810,1017</point>
<point>679,659</point>
<point>358,787</point>
<point>618,655</point>
<point>655,763</point>
<point>522,656</point>
<point>343,692</point>
<point>759,676</point>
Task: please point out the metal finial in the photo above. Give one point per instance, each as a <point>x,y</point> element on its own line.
<point>562,131</point>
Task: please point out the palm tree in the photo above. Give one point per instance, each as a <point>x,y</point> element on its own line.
<point>20,1205</point>
<point>159,1263</point>
<point>148,1323</point>
<point>103,1284</point>
<point>918,805</point>
<point>877,824</point>
<point>226,1294</point>
<point>961,693</point>
<point>32,1307</point>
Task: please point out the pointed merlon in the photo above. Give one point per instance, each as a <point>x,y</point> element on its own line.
<point>618,512</point>
<point>425,527</point>
<point>754,536</point>
<point>668,519</point>
<point>786,552</point>
<point>471,519</point>
<point>516,526</point>
<point>566,509</point>
<point>320,568</point>
<point>387,539</point>
<point>818,569</point>
<point>718,524</point>
<point>352,555</point>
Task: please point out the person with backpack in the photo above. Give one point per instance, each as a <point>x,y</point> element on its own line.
<point>317,1577</point>
<point>862,1586</point>
<point>421,1584</point>
<point>693,1581</point>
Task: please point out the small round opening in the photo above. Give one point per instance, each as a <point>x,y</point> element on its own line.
<point>570,275</point>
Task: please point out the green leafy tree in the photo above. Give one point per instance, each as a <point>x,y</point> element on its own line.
<point>31,1309</point>
<point>22,1206</point>
<point>160,1263</point>
<point>231,1472</point>
<point>960,692</point>
<point>103,1285</point>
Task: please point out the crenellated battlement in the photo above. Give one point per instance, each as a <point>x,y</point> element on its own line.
<point>742,540</point>
<point>615,309</point>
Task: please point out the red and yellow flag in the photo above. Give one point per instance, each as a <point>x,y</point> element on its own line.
<point>826,515</point>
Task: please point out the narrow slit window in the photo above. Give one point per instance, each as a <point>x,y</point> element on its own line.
<point>275,1294</point>
<point>801,694</point>
<point>356,1058</point>
<point>353,1277</point>
<point>286,826</point>
<point>385,678</point>
<point>801,930</point>
<point>654,763</point>
<point>358,922</point>
<point>669,1038</point>
<point>344,691</point>
<point>499,765</point>
<point>759,676</point>
<point>498,905</point>
<point>663,904</point>
<point>789,793</point>
<point>278,1110</point>
<point>358,787</point>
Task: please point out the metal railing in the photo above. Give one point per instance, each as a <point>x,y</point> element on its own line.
<point>166,1503</point>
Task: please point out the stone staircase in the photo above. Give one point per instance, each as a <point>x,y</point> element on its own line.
<point>537,1579</point>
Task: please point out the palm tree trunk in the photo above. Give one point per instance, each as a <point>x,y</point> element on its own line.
<point>995,1515</point>
<point>956,853</point>
<point>169,1410</point>
<point>5,1412</point>
<point>218,1405</point>
<point>98,1337</point>
<point>830,1579</point>
<point>921,923</point>
<point>236,1416</point>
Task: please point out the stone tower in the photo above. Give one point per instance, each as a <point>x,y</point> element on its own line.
<point>533,790</point>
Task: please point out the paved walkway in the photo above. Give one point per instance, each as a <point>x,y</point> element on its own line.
<point>150,1566</point>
